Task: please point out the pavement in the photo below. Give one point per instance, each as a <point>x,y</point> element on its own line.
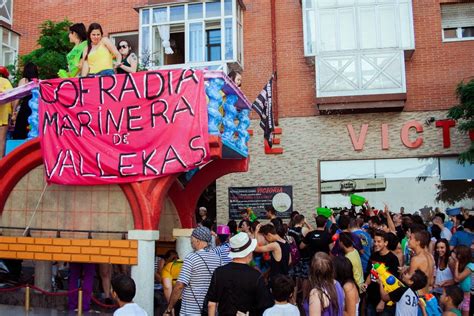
<point>10,310</point>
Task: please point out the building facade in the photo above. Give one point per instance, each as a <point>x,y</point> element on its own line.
<point>362,91</point>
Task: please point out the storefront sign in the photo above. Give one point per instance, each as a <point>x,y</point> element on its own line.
<point>358,185</point>
<point>411,134</point>
<point>123,128</point>
<point>259,199</point>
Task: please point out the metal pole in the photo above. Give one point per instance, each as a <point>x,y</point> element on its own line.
<point>79,302</point>
<point>27,298</point>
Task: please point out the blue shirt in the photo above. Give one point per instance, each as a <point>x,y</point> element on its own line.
<point>366,242</point>
<point>462,237</point>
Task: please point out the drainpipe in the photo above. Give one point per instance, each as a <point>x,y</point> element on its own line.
<point>274,60</point>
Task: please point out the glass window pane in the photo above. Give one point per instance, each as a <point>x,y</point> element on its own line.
<point>14,41</point>
<point>145,42</point>
<point>177,13</point>
<point>450,169</point>
<point>213,45</point>
<point>347,169</point>
<point>328,30</point>
<point>229,49</point>
<point>406,168</point>
<point>450,33</point>
<point>195,11</point>
<point>196,42</point>
<point>326,3</point>
<point>368,30</point>
<point>213,9</point>
<point>308,4</point>
<point>388,27</point>
<point>160,15</point>
<point>239,42</point>
<point>468,32</point>
<point>5,37</point>
<point>347,29</point>
<point>310,33</point>
<point>157,48</point>
<point>145,16</point>
<point>228,7</point>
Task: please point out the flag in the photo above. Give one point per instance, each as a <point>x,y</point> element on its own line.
<point>264,108</point>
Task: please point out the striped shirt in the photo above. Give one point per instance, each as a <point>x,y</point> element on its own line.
<point>223,252</point>
<point>196,274</point>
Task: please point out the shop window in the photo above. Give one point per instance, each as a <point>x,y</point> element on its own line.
<point>412,183</point>
<point>6,11</point>
<point>199,34</point>
<point>457,21</point>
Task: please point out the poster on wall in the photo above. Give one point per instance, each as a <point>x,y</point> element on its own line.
<point>259,199</point>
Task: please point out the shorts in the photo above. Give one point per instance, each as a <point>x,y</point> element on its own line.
<point>105,72</point>
<point>464,307</point>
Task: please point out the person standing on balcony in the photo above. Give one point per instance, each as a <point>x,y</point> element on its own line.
<point>236,77</point>
<point>77,36</point>
<point>99,53</point>
<point>129,59</point>
<point>30,73</point>
<point>5,109</point>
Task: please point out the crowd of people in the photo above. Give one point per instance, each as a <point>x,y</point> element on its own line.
<point>363,262</point>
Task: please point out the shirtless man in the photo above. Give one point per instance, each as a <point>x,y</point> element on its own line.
<point>421,259</point>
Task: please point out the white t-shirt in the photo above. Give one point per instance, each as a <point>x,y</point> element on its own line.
<point>446,234</point>
<point>130,309</point>
<point>282,310</point>
<point>407,301</point>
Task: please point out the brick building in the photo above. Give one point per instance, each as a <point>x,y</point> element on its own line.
<point>362,91</point>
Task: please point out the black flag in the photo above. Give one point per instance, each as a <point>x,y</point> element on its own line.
<point>263,106</point>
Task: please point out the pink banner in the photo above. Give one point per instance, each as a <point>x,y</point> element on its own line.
<point>123,128</point>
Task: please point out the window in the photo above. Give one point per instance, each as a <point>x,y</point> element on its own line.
<point>6,7</point>
<point>9,47</point>
<point>131,37</point>
<point>457,21</point>
<point>414,183</point>
<point>199,34</point>
<point>359,45</point>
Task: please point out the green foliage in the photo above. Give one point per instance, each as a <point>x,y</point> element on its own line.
<point>463,113</point>
<point>54,46</point>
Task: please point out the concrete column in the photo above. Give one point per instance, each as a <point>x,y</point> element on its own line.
<point>143,272</point>
<point>43,275</point>
<point>183,241</point>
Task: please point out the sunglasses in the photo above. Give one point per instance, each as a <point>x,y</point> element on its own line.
<point>123,46</point>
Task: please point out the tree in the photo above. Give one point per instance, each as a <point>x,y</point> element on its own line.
<point>464,114</point>
<point>54,46</point>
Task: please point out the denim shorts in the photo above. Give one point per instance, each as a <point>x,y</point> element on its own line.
<point>105,72</point>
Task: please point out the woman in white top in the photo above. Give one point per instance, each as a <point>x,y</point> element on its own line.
<point>345,276</point>
<point>443,274</point>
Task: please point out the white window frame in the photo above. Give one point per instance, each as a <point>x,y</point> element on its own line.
<point>115,35</point>
<point>459,29</point>
<point>10,12</point>
<point>459,37</point>
<point>356,6</point>
<point>9,46</point>
<point>186,22</point>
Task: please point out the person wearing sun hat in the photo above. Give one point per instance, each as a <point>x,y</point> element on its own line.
<point>248,293</point>
<point>195,275</point>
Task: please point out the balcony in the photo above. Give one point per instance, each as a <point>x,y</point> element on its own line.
<point>359,49</point>
<point>228,116</point>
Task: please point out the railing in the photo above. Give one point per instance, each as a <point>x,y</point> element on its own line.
<point>59,231</point>
<point>228,113</point>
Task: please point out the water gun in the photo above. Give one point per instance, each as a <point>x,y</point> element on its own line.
<point>430,303</point>
<point>251,214</point>
<point>389,281</point>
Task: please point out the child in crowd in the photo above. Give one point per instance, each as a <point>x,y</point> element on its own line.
<point>463,269</point>
<point>450,300</point>
<point>282,290</point>
<point>123,291</point>
<point>406,298</point>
